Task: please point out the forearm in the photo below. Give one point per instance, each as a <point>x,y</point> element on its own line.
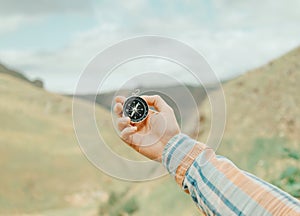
<point>218,187</point>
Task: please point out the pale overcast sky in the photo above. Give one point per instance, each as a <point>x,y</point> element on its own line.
<point>55,40</point>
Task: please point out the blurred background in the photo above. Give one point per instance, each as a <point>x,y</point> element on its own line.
<point>253,47</point>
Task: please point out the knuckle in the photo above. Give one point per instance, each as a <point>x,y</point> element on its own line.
<point>171,109</point>
<point>158,97</point>
<point>126,138</point>
<point>115,108</point>
<point>123,135</point>
<point>119,125</point>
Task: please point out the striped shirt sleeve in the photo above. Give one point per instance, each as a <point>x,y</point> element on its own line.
<point>218,187</point>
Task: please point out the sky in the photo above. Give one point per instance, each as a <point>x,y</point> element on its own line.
<point>55,40</point>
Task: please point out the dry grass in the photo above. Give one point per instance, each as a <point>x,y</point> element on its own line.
<point>43,170</point>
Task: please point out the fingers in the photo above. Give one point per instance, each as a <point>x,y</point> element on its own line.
<point>123,123</point>
<point>118,108</point>
<point>120,99</point>
<point>127,133</point>
<point>157,102</point>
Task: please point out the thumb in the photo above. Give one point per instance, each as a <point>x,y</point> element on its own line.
<point>157,102</point>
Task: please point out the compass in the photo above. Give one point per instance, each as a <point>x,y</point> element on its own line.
<point>136,108</point>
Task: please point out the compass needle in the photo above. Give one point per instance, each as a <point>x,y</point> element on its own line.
<point>132,113</point>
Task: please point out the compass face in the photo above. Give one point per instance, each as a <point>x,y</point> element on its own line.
<point>136,108</point>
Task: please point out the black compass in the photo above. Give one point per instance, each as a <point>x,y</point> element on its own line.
<point>136,108</point>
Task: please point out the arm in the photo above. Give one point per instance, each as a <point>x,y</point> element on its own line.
<point>218,187</point>
<point>215,184</point>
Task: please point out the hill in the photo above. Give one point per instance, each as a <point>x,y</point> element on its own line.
<point>5,70</point>
<point>263,121</point>
<point>44,172</point>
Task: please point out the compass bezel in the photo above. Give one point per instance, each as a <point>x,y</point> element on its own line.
<point>134,100</point>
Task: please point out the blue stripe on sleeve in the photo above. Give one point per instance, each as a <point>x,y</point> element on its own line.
<point>217,191</point>
<point>202,197</point>
<point>174,147</point>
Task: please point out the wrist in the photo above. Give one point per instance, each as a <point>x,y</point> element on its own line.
<point>169,135</point>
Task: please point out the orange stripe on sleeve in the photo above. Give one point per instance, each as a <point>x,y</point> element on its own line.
<point>257,192</point>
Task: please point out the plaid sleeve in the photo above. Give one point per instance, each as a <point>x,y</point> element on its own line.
<point>218,187</point>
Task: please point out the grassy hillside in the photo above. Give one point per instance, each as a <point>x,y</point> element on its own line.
<point>263,122</point>
<point>44,172</point>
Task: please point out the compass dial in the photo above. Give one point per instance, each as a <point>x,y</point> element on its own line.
<point>136,108</point>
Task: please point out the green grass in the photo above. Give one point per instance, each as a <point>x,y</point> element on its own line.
<point>263,153</point>
<point>269,158</point>
<point>165,196</point>
<point>118,204</point>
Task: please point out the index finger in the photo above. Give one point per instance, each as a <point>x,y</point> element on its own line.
<point>120,99</point>
<point>118,109</point>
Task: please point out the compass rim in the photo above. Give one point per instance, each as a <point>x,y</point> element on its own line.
<point>145,112</point>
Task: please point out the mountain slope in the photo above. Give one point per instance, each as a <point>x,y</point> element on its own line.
<point>5,70</point>
<point>43,170</point>
<point>263,118</point>
<point>41,164</point>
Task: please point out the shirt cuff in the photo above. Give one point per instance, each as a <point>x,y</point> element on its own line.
<point>175,150</point>
<point>178,155</point>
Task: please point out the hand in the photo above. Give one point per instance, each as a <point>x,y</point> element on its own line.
<point>150,136</point>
